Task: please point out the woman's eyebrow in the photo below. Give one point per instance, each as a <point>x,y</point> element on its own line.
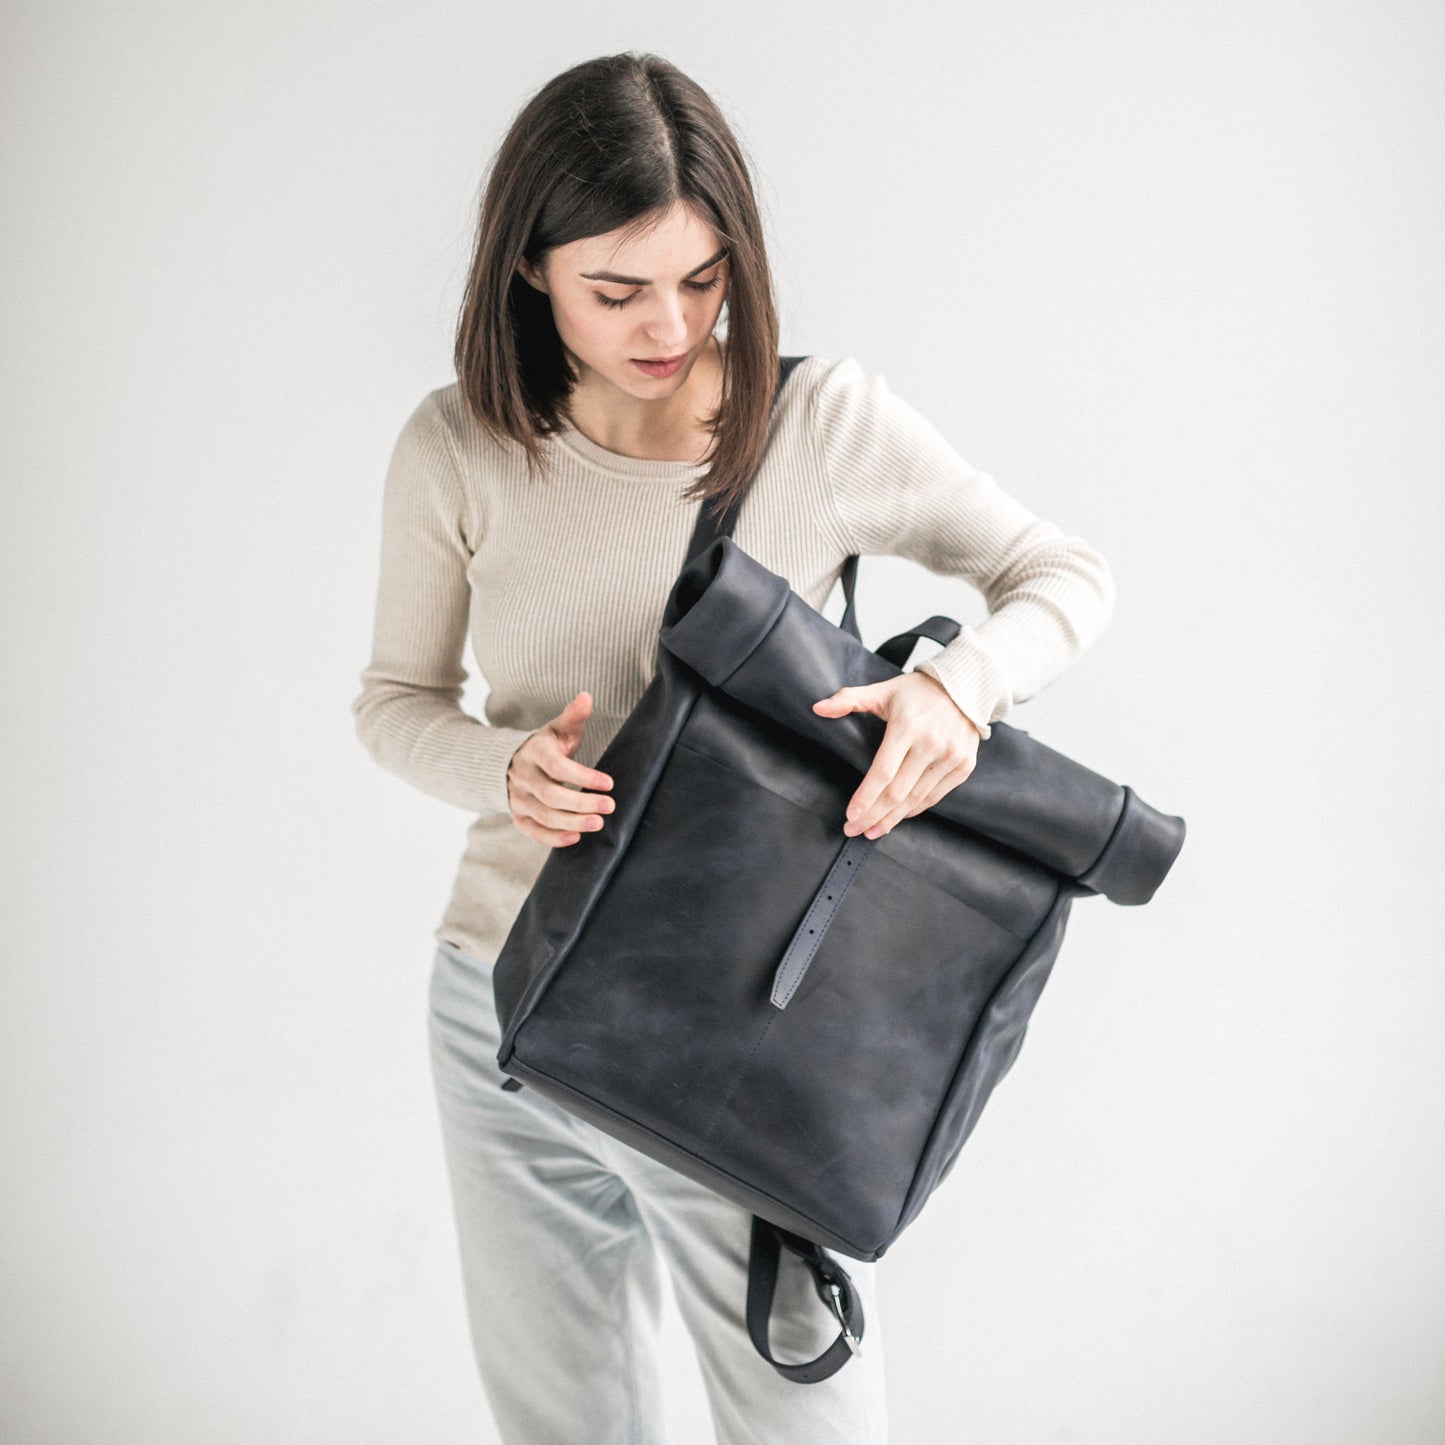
<point>640,281</point>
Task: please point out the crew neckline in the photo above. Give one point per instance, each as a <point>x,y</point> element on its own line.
<point>586,450</point>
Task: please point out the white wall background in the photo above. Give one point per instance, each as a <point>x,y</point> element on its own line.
<point>1173,275</point>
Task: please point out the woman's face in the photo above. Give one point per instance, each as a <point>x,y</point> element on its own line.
<point>654,297</point>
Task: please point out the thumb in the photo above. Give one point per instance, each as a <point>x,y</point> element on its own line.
<point>569,722</point>
<point>838,703</point>
<point>853,699</point>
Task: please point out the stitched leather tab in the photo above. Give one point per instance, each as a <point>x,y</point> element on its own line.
<point>820,914</point>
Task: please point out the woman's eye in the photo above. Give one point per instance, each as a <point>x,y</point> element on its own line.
<point>691,285</point>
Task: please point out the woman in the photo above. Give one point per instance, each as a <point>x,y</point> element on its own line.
<point>547,499</point>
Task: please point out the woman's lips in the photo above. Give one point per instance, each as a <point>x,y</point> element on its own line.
<point>660,368</point>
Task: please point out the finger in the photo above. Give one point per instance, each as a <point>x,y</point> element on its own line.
<point>925,796</point>
<point>532,805</point>
<point>896,765</point>
<point>960,774</point>
<point>555,765</point>
<point>886,762</point>
<point>957,775</point>
<point>890,820</point>
<point>546,835</point>
<point>569,800</point>
<point>557,805</point>
<point>894,801</point>
<point>919,800</point>
<point>926,788</point>
<point>935,781</point>
<point>955,770</point>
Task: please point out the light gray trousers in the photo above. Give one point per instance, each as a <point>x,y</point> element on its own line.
<point>563,1233</point>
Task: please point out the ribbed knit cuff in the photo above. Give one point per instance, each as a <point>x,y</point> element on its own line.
<point>971,677</point>
<point>500,798</point>
<point>465,761</point>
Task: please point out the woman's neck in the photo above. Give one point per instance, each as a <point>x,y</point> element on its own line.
<point>648,433</point>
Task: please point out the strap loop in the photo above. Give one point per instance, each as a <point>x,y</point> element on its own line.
<point>835,1288</point>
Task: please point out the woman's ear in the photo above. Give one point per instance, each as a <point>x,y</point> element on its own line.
<point>532,275</point>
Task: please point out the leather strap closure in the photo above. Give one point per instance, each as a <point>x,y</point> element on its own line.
<point>819,915</point>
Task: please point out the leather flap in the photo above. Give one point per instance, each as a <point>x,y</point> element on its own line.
<point>744,629</point>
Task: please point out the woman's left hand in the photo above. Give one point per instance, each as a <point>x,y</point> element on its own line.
<point>928,749</point>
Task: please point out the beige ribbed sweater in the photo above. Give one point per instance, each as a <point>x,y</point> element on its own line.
<point>563,582</point>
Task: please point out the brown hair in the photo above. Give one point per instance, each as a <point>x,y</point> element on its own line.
<point>613,143</point>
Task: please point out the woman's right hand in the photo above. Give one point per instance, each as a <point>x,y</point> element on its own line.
<point>544,783</point>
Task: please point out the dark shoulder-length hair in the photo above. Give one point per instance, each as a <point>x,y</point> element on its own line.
<point>613,143</point>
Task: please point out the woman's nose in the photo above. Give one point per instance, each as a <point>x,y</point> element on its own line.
<point>667,324</point>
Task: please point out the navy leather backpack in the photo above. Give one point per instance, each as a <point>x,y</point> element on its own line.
<point>806,1023</point>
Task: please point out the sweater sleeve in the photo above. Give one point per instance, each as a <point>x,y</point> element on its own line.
<point>900,489</point>
<point>408,713</point>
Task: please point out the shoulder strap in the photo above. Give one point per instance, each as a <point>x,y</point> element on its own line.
<point>711,526</point>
